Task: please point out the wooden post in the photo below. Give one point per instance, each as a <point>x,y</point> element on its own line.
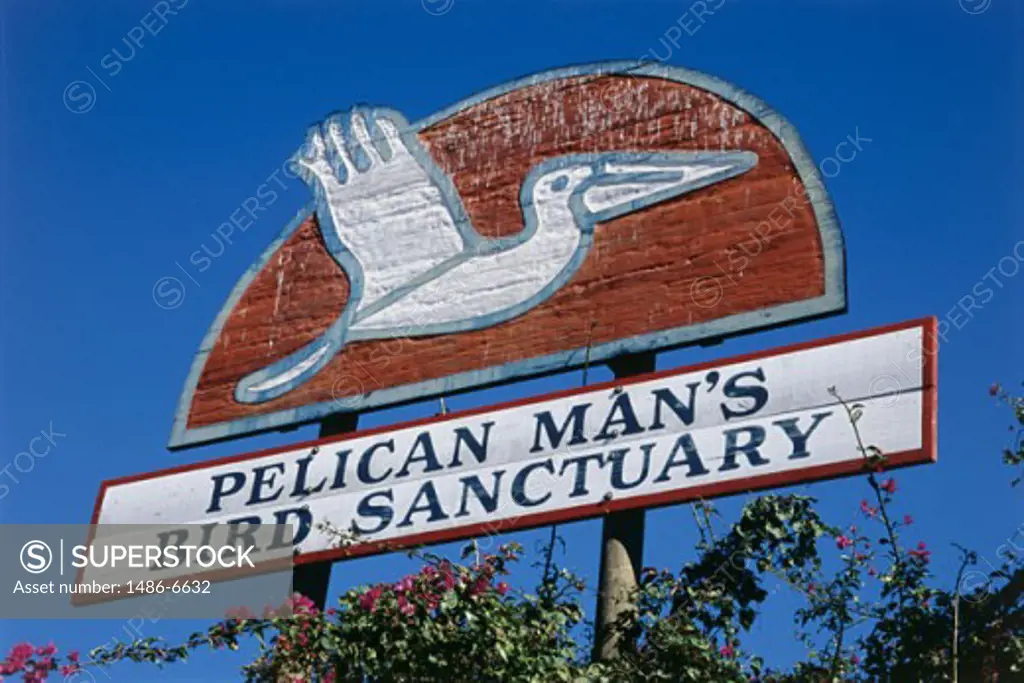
<point>622,545</point>
<point>311,580</point>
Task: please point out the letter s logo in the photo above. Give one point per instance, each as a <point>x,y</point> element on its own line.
<point>36,557</point>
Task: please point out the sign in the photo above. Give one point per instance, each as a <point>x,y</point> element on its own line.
<point>760,421</point>
<point>589,211</point>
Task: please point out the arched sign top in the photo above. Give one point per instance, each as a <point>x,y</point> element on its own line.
<point>584,212</point>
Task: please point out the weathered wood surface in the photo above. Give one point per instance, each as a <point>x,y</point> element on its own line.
<point>742,245</point>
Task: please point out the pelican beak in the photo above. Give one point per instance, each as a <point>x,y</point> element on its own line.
<point>624,182</point>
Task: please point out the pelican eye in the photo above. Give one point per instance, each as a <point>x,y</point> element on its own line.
<point>560,183</point>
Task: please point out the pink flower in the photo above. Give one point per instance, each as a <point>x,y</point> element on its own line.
<point>73,656</point>
<point>921,552</point>
<point>405,607</point>
<point>994,390</point>
<point>842,542</point>
<point>20,652</point>
<point>908,520</point>
<point>447,577</point>
<point>404,586</point>
<point>300,604</point>
<point>726,651</point>
<point>68,669</point>
<point>889,486</point>
<point>49,649</point>
<point>855,660</point>
<point>368,600</point>
<point>867,509</point>
<point>502,588</point>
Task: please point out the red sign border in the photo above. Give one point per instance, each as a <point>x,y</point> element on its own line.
<point>926,454</point>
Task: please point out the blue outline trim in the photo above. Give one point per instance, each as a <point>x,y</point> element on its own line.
<point>345,329</point>
<point>831,302</point>
<point>331,341</point>
<point>586,222</point>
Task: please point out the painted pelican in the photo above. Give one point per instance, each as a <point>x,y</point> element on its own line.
<point>395,223</point>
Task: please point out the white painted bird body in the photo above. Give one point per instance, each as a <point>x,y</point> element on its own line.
<point>395,223</point>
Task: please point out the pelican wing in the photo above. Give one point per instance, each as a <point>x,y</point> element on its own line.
<point>395,239</point>
<point>383,213</point>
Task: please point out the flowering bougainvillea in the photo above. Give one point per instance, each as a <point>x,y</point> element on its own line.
<point>36,663</point>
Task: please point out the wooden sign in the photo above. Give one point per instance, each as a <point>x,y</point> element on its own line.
<point>760,421</point>
<point>616,207</point>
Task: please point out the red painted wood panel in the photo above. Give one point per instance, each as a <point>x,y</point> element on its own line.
<point>737,246</point>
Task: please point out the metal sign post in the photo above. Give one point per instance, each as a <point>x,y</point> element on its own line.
<point>622,544</point>
<point>312,580</point>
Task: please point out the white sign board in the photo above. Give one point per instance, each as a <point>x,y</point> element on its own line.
<point>754,422</point>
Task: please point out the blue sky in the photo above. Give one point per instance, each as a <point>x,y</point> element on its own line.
<point>104,185</point>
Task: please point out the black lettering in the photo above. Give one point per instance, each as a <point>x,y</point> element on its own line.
<point>749,449</point>
<point>618,460</point>
<point>488,499</point>
<point>301,488</point>
<point>363,470</point>
<point>691,458</point>
<point>243,529</point>
<point>666,397</point>
<point>799,438</point>
<point>339,469</point>
<point>424,444</point>
<point>477,448</point>
<point>367,509</point>
<point>260,481</point>
<point>305,518</point>
<point>732,389</point>
<point>555,435</point>
<point>219,490</point>
<point>432,505</point>
<point>519,484</point>
<point>580,483</point>
<point>622,413</point>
